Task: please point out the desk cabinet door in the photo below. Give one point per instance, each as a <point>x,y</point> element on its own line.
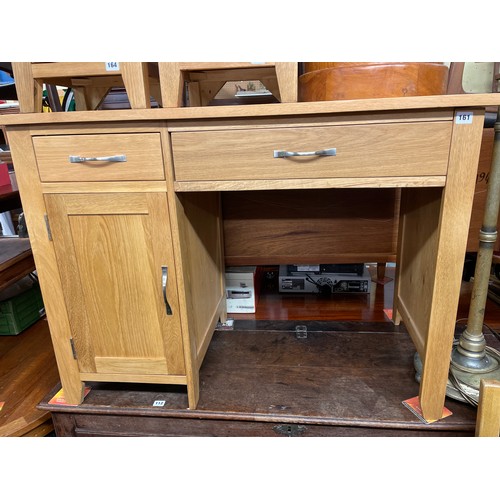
<point>114,254</point>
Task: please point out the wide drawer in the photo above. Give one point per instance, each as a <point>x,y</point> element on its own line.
<point>372,150</point>
<point>142,154</point>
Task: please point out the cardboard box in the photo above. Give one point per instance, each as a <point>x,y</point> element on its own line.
<point>242,289</point>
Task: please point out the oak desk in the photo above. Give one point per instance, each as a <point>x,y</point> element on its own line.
<point>130,253</point>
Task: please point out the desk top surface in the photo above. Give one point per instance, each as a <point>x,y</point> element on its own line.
<point>260,110</point>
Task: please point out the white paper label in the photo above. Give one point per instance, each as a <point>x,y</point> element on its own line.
<point>112,66</point>
<point>159,402</point>
<point>464,117</point>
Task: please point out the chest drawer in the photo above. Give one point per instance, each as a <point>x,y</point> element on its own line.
<point>139,157</point>
<point>372,150</point>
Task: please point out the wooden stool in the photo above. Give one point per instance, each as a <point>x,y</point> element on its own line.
<point>488,410</point>
<point>206,79</point>
<point>90,81</point>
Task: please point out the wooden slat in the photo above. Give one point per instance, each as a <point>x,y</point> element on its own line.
<point>134,377</point>
<point>69,69</point>
<point>108,187</point>
<point>144,366</point>
<point>268,184</point>
<point>488,411</point>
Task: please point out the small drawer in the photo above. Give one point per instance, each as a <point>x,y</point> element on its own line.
<point>371,150</point>
<point>141,156</point>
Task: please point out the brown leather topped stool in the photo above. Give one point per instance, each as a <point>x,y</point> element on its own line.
<point>323,81</point>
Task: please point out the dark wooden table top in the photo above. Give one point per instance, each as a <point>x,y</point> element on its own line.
<point>343,374</point>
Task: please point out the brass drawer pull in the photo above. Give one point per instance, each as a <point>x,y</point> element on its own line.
<point>82,159</point>
<point>322,152</point>
<point>164,272</point>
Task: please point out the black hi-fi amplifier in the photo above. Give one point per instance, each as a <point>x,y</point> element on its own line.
<point>309,282</point>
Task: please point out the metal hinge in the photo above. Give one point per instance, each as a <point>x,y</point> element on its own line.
<point>47,225</point>
<point>290,430</point>
<point>73,350</point>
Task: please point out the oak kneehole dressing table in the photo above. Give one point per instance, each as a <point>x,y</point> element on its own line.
<point>124,216</point>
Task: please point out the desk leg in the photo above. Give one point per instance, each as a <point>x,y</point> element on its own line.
<point>453,230</point>
<point>46,263</point>
<point>434,227</point>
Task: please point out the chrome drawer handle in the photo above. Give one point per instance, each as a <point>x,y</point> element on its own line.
<point>321,152</point>
<point>164,278</point>
<point>82,159</point>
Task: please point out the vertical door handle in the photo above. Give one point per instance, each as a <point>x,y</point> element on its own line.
<point>164,280</point>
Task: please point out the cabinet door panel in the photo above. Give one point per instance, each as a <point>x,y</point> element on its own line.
<point>110,250</point>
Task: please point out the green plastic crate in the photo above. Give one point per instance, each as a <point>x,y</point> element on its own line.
<point>22,310</point>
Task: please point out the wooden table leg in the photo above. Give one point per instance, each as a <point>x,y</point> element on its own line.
<point>434,227</point>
